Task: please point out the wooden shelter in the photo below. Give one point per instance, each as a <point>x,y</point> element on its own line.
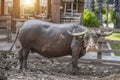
<point>66,10</point>
<point>72,10</point>
<point>56,9</point>
<point>16,12</point>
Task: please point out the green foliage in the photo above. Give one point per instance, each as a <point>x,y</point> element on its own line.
<point>90,19</point>
<point>96,10</point>
<point>104,11</point>
<point>104,17</point>
<point>113,18</point>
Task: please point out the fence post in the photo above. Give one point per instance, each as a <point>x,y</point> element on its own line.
<point>9,28</point>
<point>99,54</point>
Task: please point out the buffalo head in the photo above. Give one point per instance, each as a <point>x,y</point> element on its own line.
<point>89,37</point>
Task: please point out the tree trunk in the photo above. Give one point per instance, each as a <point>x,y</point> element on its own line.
<point>117,10</point>
<point>93,5</point>
<point>100,7</point>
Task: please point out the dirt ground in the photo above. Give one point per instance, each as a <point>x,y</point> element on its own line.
<point>41,68</point>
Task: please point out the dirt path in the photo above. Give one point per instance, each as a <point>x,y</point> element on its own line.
<point>61,69</point>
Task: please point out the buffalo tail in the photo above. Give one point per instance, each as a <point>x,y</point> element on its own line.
<point>19,25</point>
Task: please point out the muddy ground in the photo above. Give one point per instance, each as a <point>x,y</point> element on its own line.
<point>41,68</point>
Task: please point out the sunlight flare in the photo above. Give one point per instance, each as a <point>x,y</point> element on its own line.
<point>28,2</point>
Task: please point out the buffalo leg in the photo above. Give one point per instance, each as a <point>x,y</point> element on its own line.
<point>25,56</point>
<point>75,56</point>
<point>21,58</point>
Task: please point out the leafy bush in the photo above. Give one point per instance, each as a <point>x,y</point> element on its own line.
<point>113,18</point>
<point>104,17</point>
<point>96,10</point>
<point>90,19</point>
<point>104,11</point>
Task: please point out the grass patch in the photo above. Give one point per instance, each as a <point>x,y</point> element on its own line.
<point>117,47</point>
<point>115,36</point>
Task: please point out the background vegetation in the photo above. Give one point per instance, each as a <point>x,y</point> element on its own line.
<point>90,19</point>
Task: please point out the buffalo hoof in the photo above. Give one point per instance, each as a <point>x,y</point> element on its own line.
<point>20,67</point>
<point>23,69</point>
<point>20,70</point>
<point>75,71</point>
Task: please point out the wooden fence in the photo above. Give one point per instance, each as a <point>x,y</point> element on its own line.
<point>5,27</point>
<point>101,50</point>
<point>102,41</point>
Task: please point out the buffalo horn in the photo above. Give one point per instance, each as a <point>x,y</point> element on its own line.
<point>101,33</point>
<point>78,34</point>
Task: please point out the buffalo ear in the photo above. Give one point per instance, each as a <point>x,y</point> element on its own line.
<point>79,37</point>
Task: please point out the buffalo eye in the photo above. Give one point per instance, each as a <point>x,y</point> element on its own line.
<point>95,37</point>
<point>87,37</point>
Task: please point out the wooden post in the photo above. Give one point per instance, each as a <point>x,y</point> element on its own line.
<point>16,13</point>
<point>6,9</point>
<point>81,6</point>
<point>37,7</point>
<point>99,54</point>
<point>55,11</point>
<point>9,29</point>
<point>16,8</point>
<point>2,7</point>
<point>72,5</point>
<point>81,10</point>
<point>65,7</point>
<point>49,9</point>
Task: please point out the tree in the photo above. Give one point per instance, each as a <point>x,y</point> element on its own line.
<point>92,5</point>
<point>100,8</point>
<point>117,10</point>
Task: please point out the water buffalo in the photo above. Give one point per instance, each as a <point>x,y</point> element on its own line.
<point>56,40</point>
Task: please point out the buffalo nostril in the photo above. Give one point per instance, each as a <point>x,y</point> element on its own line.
<point>91,46</point>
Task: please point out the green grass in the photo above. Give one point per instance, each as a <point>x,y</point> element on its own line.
<point>117,47</point>
<point>115,36</point>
